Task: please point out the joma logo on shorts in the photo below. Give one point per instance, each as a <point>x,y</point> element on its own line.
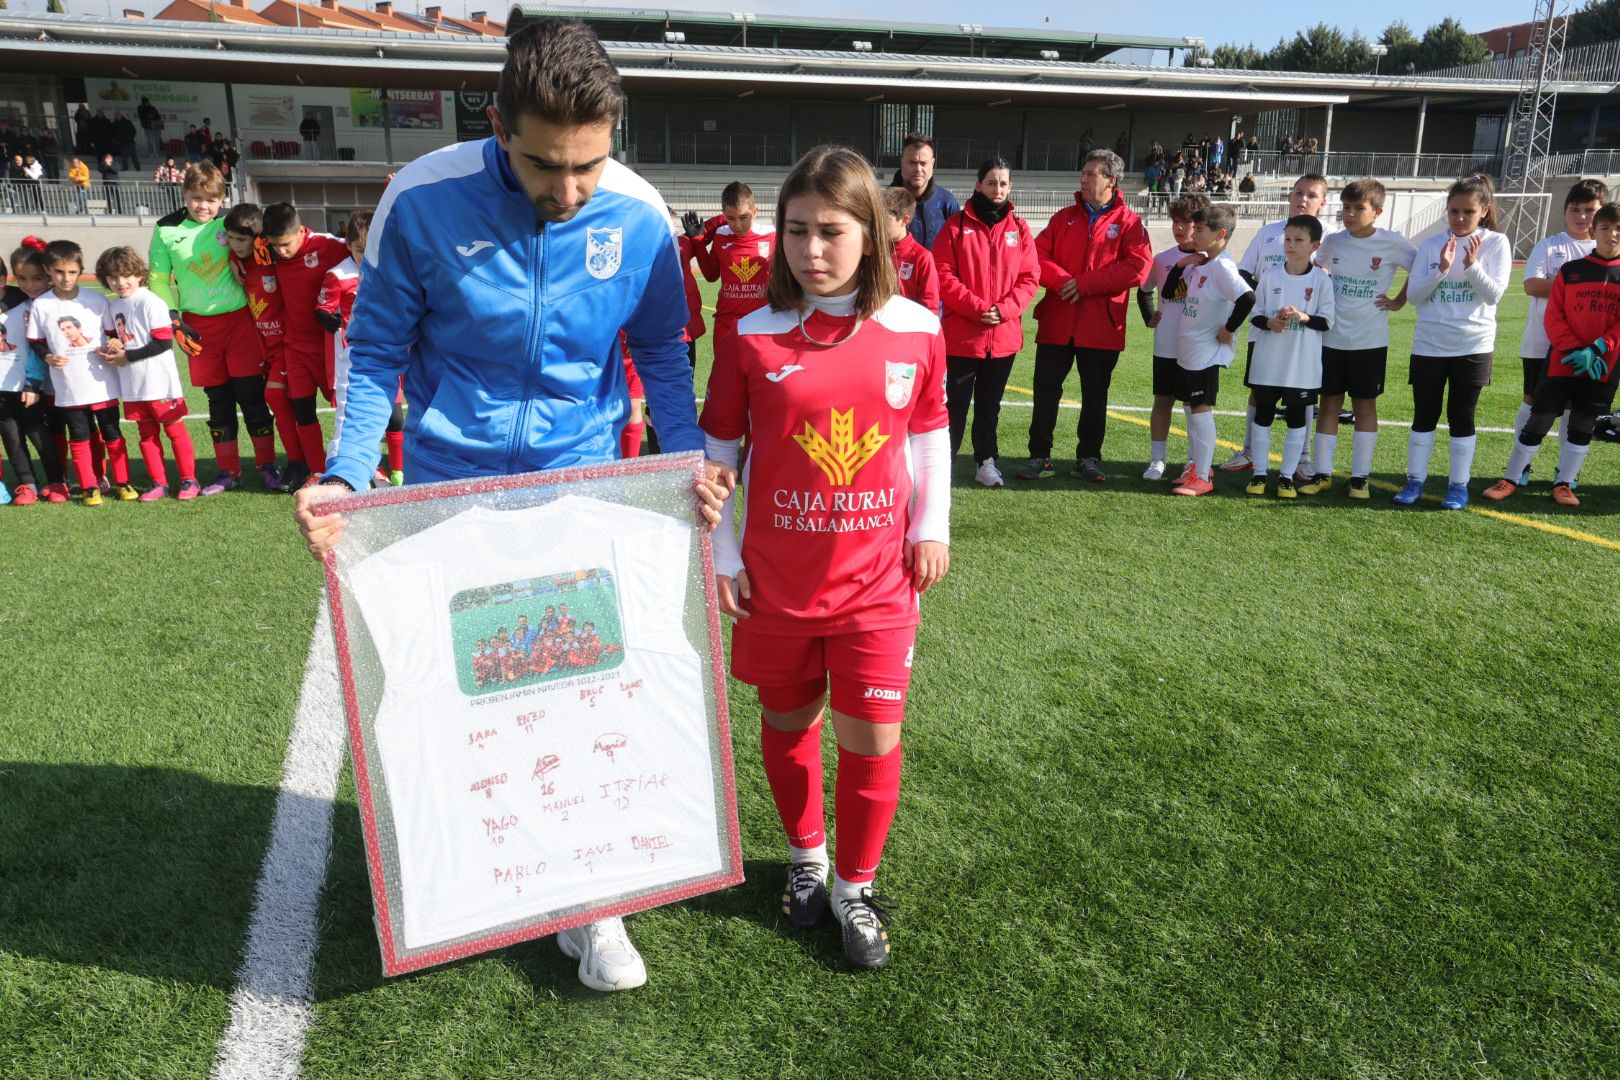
<point>883,695</point>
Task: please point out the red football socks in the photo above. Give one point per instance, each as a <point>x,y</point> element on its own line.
<point>98,454</point>
<point>630,440</point>
<point>152,452</point>
<point>314,444</point>
<point>793,767</point>
<point>396,450</point>
<point>228,457</point>
<point>867,793</point>
<point>286,426</point>
<point>264,449</point>
<point>81,463</point>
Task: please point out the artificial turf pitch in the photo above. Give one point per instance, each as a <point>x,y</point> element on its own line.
<point>1218,787</point>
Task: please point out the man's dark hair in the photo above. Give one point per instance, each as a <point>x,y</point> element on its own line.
<point>280,219</point>
<point>916,138</point>
<point>557,70</point>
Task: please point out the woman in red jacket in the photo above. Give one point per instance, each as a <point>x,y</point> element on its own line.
<point>988,274</point>
<point>1092,255</point>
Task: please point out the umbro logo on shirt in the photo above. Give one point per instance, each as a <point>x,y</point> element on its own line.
<point>778,376</point>
<point>469,250</point>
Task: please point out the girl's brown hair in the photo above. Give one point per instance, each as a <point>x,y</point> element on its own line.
<point>845,180</point>
<point>120,262</point>
<point>1479,187</point>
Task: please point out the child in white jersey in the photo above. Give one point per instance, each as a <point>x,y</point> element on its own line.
<point>1216,302</point>
<point>1307,196</point>
<point>1165,321</point>
<point>1575,242</point>
<point>140,344</point>
<point>1355,350</point>
<point>64,327</point>
<point>1293,308</point>
<point>1456,283</point>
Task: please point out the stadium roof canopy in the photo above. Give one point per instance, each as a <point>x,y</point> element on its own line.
<point>81,45</point>
<point>737,29</point>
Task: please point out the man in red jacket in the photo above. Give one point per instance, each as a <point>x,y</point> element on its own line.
<point>1092,255</point>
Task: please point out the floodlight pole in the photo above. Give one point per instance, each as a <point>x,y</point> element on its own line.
<point>1529,137</point>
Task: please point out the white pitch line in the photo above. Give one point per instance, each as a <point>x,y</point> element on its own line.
<point>1021,404</point>
<point>272,1005</point>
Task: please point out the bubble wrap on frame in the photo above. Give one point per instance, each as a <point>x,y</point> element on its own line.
<point>505,703</point>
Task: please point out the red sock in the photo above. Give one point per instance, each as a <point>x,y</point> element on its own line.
<point>185,455</point>
<point>396,450</point>
<point>281,407</point>
<point>630,440</point>
<point>314,443</point>
<point>264,449</point>
<point>152,452</point>
<point>866,793</point>
<point>228,457</point>
<point>793,767</point>
<point>85,471</point>
<point>60,441</point>
<point>118,459</point>
<point>98,454</point>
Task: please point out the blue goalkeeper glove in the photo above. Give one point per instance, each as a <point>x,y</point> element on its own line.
<point>1580,360</point>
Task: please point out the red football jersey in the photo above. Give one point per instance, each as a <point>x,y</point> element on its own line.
<point>828,478</point>
<point>919,280</point>
<point>264,303</point>
<point>299,281</point>
<point>742,266</point>
<point>338,289</point>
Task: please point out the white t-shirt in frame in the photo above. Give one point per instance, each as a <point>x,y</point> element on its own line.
<point>14,349</point>
<point>1293,357</point>
<point>558,791</point>
<point>132,320</point>
<point>1212,290</point>
<point>1363,269</point>
<point>72,328</point>
<point>1546,258</point>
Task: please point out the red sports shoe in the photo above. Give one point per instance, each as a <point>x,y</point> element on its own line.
<point>25,495</point>
<point>1193,485</point>
<point>56,493</point>
<point>1562,494</point>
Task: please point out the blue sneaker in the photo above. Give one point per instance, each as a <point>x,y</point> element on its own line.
<point>1411,493</point>
<point>5,495</point>
<point>1456,497</point>
<point>1524,477</point>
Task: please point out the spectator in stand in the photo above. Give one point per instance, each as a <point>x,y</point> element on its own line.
<point>168,173</point>
<point>1155,175</point>
<point>109,183</point>
<point>81,129</point>
<point>1217,152</point>
<point>194,145</point>
<point>24,188</point>
<point>152,124</point>
<point>1092,254</point>
<point>1246,187</point>
<point>916,175</point>
<point>78,186</point>
<point>49,153</point>
<point>1240,148</point>
<point>1156,149</point>
<point>310,131</point>
<point>123,132</point>
<point>1178,174</point>
<point>101,136</point>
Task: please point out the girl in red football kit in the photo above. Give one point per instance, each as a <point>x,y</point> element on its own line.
<point>838,384</point>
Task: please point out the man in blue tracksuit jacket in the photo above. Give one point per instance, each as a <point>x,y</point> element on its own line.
<point>935,204</point>
<point>496,279</point>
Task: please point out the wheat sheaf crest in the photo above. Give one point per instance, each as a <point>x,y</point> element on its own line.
<point>841,456</point>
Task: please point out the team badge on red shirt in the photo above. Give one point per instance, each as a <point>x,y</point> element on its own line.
<point>746,269</point>
<point>312,259</point>
<point>1113,231</point>
<point>898,380</point>
<point>842,455</point>
<point>905,271</point>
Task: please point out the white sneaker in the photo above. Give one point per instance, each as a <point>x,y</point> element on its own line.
<point>1237,462</point>
<point>607,960</point>
<point>1154,471</point>
<point>988,474</point>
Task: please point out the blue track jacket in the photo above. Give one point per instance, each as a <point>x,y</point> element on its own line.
<point>506,330</point>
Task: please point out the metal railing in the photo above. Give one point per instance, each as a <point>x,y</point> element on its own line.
<point>1342,163</point>
<point>60,197</point>
<point>373,145</point>
<point>1599,62</point>
<point>1586,163</point>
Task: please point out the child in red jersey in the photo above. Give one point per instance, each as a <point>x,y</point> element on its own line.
<point>914,264</point>
<point>1583,326</point>
<point>333,307</point>
<point>252,264</point>
<point>738,256</point>
<point>636,426</point>
<point>302,259</point>
<point>839,385</point>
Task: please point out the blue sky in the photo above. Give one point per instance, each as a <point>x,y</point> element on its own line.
<point>1259,21</point>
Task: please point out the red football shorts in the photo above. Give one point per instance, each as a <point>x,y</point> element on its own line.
<point>306,374</point>
<point>870,670</point>
<point>157,412</point>
<point>231,348</point>
<point>275,373</point>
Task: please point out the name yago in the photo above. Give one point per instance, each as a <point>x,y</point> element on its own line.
<point>845,511</point>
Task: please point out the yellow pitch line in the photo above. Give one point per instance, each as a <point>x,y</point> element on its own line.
<point>1496,515</point>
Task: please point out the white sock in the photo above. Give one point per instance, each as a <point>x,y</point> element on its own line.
<point>1247,446</point>
<point>1520,460</point>
<point>1362,446</point>
<point>1260,449</point>
<point>1419,445</point>
<point>1293,450</point>
<point>817,854</point>
<point>1518,421</point>
<point>846,890</point>
<point>1157,449</point>
<point>1462,457</point>
<point>1322,463</point>
<point>1570,459</point>
<point>1563,434</point>
<point>1202,428</point>
<point>1186,419</point>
